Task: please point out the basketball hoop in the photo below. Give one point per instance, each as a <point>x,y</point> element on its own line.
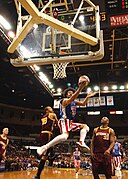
<point>60,70</point>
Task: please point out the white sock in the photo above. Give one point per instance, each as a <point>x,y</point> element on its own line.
<point>118,173</point>
<point>57,140</point>
<point>83,133</point>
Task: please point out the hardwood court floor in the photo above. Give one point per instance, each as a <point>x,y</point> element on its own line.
<point>51,174</point>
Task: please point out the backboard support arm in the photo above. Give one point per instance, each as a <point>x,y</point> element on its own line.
<point>39,18</point>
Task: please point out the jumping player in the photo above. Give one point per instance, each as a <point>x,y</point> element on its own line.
<point>77,161</point>
<point>103,141</point>
<point>3,143</point>
<point>67,118</point>
<point>49,120</point>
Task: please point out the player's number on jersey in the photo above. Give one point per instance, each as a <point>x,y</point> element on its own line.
<point>44,121</point>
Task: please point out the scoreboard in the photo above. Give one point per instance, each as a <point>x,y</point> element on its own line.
<point>117,11</point>
<point>115,7</point>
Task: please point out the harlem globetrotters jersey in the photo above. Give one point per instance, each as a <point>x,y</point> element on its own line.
<point>68,111</point>
<point>101,139</point>
<point>116,150</point>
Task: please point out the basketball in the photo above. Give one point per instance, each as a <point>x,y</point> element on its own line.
<point>85,79</point>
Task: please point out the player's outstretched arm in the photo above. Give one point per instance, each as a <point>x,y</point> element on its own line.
<point>83,103</point>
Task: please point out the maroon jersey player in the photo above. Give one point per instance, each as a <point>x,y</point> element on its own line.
<point>3,143</point>
<point>48,121</point>
<point>103,141</point>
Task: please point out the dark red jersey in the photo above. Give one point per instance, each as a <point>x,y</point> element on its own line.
<point>5,141</point>
<point>47,123</point>
<point>101,140</point>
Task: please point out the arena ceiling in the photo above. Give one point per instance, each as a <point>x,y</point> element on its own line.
<point>22,87</point>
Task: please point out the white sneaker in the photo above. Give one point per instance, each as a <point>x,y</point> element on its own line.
<point>76,175</point>
<point>82,144</point>
<point>42,150</point>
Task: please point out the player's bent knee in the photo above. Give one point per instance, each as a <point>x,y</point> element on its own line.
<point>64,137</point>
<point>85,126</point>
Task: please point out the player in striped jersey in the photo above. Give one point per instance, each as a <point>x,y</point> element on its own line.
<point>67,118</point>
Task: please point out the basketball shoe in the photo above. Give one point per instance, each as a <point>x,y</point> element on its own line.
<point>36,177</point>
<point>76,174</point>
<point>83,145</point>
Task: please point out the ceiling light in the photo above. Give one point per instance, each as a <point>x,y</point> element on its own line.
<point>53,90</point>
<point>11,34</point>
<point>51,86</point>
<point>68,84</point>
<point>37,68</point>
<point>59,90</point>
<point>96,88</point>
<point>35,26</point>
<point>89,90</point>
<point>5,23</point>
<point>81,18</point>
<point>43,77</point>
<point>122,87</point>
<point>114,87</point>
<point>105,88</point>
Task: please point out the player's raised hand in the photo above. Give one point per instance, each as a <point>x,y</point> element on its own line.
<point>91,94</point>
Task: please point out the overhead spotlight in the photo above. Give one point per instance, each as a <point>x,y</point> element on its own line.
<point>127,86</point>
<point>24,99</point>
<point>68,84</point>
<point>43,77</point>
<point>13,91</point>
<point>114,87</point>
<point>81,18</point>
<point>89,90</point>
<point>5,23</point>
<point>105,88</point>
<point>96,88</point>
<point>122,87</point>
<point>53,90</point>
<point>11,34</point>
<point>35,26</point>
<point>37,68</point>
<point>59,90</point>
<point>51,86</point>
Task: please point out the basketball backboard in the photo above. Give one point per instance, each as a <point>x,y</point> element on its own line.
<point>70,37</point>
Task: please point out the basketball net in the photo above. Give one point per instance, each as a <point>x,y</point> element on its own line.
<point>60,69</point>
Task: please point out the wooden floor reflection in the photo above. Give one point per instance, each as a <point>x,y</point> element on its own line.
<point>52,174</point>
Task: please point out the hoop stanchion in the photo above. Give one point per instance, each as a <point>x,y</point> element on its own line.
<point>60,70</point>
